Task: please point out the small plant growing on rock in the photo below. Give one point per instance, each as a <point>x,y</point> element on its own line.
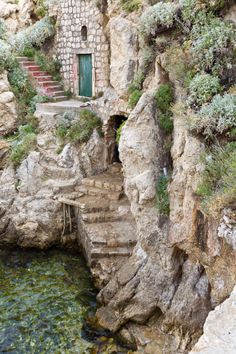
<point>156,18</point>
<point>79,130</point>
<point>218,183</point>
<point>25,143</point>
<point>130,5</point>
<point>162,196</point>
<point>202,88</point>
<point>118,132</point>
<point>164,99</point>
<point>134,98</point>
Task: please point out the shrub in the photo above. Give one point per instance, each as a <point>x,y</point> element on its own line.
<point>164,97</point>
<point>134,98</point>
<point>130,5</point>
<point>162,196</point>
<point>190,8</point>
<point>52,66</point>
<point>25,143</point>
<point>118,132</point>
<point>5,54</point>
<point>217,116</point>
<point>212,42</point>
<point>218,183</point>
<point>202,88</point>
<point>79,130</point>
<point>34,35</point>
<point>2,29</point>
<point>166,122</point>
<point>156,18</point>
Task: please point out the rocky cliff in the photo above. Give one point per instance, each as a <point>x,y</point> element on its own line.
<point>172,73</point>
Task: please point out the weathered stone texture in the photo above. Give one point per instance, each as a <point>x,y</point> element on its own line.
<point>8,115</point>
<point>124,52</point>
<point>219,333</point>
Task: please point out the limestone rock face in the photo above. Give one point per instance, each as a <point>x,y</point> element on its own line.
<point>25,9</point>
<point>31,215</point>
<point>7,107</point>
<point>150,282</point>
<point>219,334</point>
<point>123,42</point>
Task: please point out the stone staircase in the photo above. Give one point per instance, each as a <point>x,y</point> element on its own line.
<point>106,228</point>
<point>43,80</point>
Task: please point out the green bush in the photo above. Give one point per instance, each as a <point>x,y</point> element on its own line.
<point>202,88</point>
<point>130,5</point>
<point>50,65</point>
<point>212,43</point>
<point>162,196</point>
<point>134,98</point>
<point>190,8</point>
<point>158,17</point>
<point>218,183</point>
<point>33,36</point>
<point>79,130</point>
<point>166,122</point>
<point>164,99</point>
<point>2,29</point>
<point>216,117</point>
<point>25,143</point>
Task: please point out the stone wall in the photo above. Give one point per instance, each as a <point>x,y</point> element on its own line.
<point>72,16</point>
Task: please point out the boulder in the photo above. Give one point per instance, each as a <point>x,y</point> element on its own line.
<point>219,332</point>
<point>8,117</point>
<point>124,53</point>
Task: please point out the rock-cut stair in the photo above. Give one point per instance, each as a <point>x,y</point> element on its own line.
<point>106,227</point>
<point>43,80</point>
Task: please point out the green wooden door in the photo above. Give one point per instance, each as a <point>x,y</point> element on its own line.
<point>85,75</point>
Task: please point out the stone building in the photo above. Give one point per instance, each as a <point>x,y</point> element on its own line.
<point>82,46</point>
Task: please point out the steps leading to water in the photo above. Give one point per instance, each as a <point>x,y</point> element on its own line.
<point>42,79</point>
<point>106,228</point>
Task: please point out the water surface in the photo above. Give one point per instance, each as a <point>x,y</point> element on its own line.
<point>44,300</point>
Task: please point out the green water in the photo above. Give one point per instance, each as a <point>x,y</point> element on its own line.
<point>44,301</point>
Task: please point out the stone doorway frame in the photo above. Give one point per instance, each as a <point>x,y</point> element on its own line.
<point>75,73</point>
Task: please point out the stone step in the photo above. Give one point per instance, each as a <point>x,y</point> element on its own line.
<point>112,233</point>
<point>104,183</point>
<point>42,79</point>
<point>39,73</point>
<point>101,252</point>
<point>57,93</point>
<point>60,98</point>
<point>89,204</point>
<point>93,191</point>
<point>53,88</point>
<point>49,84</point>
<point>27,63</point>
<point>33,68</point>
<point>61,186</point>
<point>99,217</point>
<point>54,171</point>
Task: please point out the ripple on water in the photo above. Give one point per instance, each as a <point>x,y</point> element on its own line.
<point>44,300</point>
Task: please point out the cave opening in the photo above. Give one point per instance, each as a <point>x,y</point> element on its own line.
<point>112,134</point>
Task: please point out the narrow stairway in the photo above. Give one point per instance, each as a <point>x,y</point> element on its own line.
<point>42,79</point>
<point>106,228</point>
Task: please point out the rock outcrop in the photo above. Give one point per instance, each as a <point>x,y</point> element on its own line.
<point>31,214</point>
<point>8,115</point>
<point>219,332</point>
